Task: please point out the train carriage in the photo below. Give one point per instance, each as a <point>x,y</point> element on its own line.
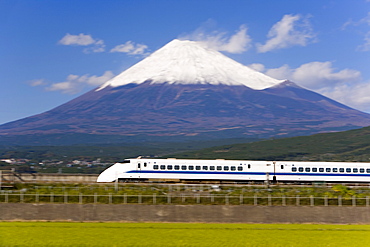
<point>235,170</point>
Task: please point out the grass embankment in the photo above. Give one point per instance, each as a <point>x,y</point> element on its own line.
<point>187,194</point>
<point>164,189</point>
<point>180,234</point>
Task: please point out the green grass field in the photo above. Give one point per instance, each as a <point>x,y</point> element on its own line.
<point>180,234</point>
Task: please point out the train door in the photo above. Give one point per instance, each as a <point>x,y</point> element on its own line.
<point>271,172</point>
<point>138,169</point>
<point>274,179</point>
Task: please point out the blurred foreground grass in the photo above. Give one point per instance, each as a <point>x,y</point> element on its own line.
<point>180,234</point>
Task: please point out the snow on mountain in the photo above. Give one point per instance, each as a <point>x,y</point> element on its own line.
<point>189,62</point>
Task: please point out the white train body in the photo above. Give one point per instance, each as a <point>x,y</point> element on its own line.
<point>236,170</point>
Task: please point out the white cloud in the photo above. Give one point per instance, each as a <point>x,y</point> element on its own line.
<point>65,87</point>
<point>366,45</point>
<point>364,30</point>
<point>315,75</point>
<point>350,22</point>
<point>257,66</point>
<point>345,86</point>
<point>36,83</point>
<point>366,19</point>
<point>99,80</point>
<point>125,48</point>
<point>354,95</point>
<point>131,48</point>
<point>291,30</point>
<point>83,40</point>
<point>75,83</point>
<point>282,73</point>
<point>237,43</point>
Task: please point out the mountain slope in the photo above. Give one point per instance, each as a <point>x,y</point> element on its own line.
<point>163,109</point>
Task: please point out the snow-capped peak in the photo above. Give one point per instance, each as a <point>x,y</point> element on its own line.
<point>189,62</point>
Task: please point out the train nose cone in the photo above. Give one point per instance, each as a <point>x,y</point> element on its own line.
<point>108,175</point>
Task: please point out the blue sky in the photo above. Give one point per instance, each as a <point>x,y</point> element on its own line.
<point>53,51</point>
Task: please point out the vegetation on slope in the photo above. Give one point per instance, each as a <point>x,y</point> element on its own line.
<point>352,145</point>
<point>107,153</point>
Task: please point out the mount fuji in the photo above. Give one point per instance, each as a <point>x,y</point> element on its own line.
<point>186,90</point>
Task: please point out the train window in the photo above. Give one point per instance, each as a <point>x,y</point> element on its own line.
<point>362,170</point>
<point>314,169</point>
<point>191,167</point>
<point>219,168</point>
<point>197,168</point>
<point>355,169</point>
<point>183,167</point>
<point>169,167</point>
<point>294,169</point>
<point>249,166</point>
<point>233,168</point>
<point>155,167</point>
<point>144,164</point>
<point>282,166</point>
<point>212,168</point>
<point>335,169</point>
<point>367,170</point>
<point>205,168</point>
<point>177,167</point>
<point>341,169</point>
<point>163,167</point>
<point>138,165</point>
<point>327,169</point>
<point>307,169</point>
<point>226,168</point>
<point>321,169</point>
<point>348,169</point>
<point>300,169</point>
<point>240,168</point>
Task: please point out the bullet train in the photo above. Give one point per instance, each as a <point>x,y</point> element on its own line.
<point>235,170</point>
